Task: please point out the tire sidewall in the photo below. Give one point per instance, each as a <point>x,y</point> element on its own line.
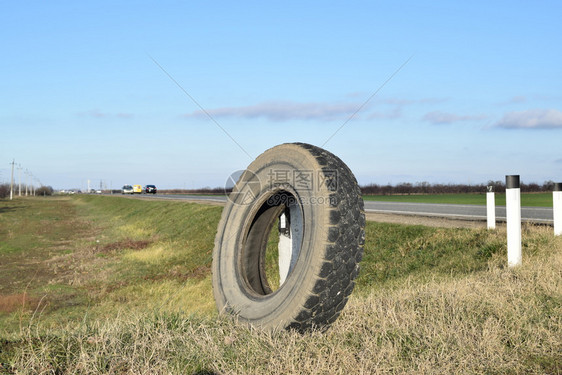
<point>231,292</point>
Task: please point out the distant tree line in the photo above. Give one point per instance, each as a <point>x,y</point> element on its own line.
<point>406,188</point>
<point>40,191</point>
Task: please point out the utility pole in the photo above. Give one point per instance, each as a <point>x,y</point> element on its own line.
<point>28,184</point>
<point>12,181</point>
<point>19,179</point>
<point>27,181</point>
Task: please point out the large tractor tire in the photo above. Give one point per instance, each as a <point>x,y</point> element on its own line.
<point>316,203</point>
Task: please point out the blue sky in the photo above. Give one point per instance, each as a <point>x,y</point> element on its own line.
<point>86,91</point>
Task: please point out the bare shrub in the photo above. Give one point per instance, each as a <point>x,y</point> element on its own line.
<point>44,191</point>
<point>4,190</point>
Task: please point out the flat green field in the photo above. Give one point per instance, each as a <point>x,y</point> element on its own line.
<point>531,200</point>
<point>106,285</point>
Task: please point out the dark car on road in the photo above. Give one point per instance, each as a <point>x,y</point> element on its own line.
<point>150,189</point>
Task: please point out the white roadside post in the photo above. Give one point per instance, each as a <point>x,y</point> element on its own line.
<point>285,247</point>
<point>491,208</point>
<point>513,211</point>
<point>557,208</point>
<point>290,239</point>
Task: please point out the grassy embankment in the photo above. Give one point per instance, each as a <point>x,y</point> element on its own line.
<point>114,285</point>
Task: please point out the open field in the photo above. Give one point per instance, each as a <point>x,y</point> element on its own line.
<point>94,284</point>
<point>530,199</point>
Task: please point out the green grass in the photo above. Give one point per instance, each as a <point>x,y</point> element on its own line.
<point>531,200</point>
<point>272,258</point>
<point>396,252</point>
<point>90,255</point>
<point>119,285</point>
<point>27,227</point>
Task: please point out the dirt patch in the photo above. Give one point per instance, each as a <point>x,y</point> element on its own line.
<point>199,273</point>
<point>178,273</point>
<point>13,302</point>
<point>125,244</point>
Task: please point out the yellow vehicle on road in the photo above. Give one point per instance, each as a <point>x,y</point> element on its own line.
<point>137,189</point>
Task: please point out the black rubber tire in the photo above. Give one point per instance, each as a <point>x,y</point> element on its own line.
<point>333,235</point>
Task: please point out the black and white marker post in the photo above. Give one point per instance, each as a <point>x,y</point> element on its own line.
<point>513,213</point>
<point>557,208</point>
<point>491,208</point>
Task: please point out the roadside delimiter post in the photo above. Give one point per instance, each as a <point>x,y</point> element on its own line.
<point>513,213</point>
<point>491,208</point>
<point>557,208</point>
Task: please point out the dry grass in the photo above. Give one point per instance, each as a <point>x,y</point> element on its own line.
<point>496,321</point>
<point>134,297</point>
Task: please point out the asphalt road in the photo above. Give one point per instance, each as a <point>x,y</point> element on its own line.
<point>453,211</point>
<point>456,211</point>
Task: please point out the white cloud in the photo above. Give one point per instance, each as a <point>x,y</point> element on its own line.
<point>325,111</point>
<point>518,99</point>
<point>284,111</point>
<point>395,113</point>
<point>404,102</point>
<point>532,119</point>
<point>95,113</point>
<point>438,117</point>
